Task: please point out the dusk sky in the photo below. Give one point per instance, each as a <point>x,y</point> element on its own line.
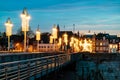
<point>101,15</point>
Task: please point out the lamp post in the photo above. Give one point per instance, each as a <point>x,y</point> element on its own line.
<point>38,37</point>
<point>9,26</point>
<point>25,25</point>
<point>54,34</point>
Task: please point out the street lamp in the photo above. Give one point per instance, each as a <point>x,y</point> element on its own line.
<point>9,26</point>
<point>25,24</point>
<point>38,38</point>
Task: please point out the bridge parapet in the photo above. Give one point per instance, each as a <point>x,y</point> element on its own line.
<point>9,57</point>
<point>32,68</point>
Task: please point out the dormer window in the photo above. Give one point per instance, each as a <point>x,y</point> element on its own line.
<point>104,38</point>
<point>113,40</point>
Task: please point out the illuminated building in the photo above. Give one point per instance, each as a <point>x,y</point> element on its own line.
<point>38,38</point>
<point>119,45</point>
<point>102,43</point>
<point>54,34</point>
<point>48,47</point>
<point>113,43</point>
<point>65,39</point>
<point>86,43</point>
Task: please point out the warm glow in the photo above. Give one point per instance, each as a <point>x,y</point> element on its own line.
<point>30,49</point>
<point>87,46</point>
<point>51,39</point>
<point>22,16</point>
<point>81,45</point>
<point>65,38</point>
<point>113,46</point>
<point>71,41</point>
<point>18,47</point>
<point>37,35</point>
<point>9,26</point>
<point>110,46</point>
<point>54,32</point>
<point>25,21</point>
<point>60,41</point>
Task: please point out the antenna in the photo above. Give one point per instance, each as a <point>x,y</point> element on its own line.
<point>73,28</point>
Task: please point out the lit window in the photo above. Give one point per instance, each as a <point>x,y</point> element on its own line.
<point>101,44</point>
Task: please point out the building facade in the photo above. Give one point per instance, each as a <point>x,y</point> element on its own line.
<point>48,47</point>
<point>102,43</point>
<point>113,44</point>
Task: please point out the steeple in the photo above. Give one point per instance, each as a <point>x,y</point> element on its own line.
<point>8,21</point>
<point>58,30</point>
<point>25,11</point>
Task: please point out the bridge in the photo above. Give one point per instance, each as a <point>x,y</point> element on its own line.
<point>32,68</point>
<point>36,65</point>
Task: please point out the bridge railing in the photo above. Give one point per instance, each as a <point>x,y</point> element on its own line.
<point>37,67</point>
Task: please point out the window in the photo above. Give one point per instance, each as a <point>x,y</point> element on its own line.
<point>101,48</point>
<point>113,40</point>
<point>104,48</point>
<point>101,43</point>
<point>97,48</point>
<point>97,43</point>
<point>104,38</point>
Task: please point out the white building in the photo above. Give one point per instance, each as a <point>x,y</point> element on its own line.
<point>48,47</point>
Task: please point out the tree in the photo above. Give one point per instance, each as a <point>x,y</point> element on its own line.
<point>30,33</point>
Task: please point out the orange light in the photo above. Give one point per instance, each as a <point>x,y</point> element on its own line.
<point>65,38</point>
<point>51,39</point>
<point>54,32</point>
<point>86,45</point>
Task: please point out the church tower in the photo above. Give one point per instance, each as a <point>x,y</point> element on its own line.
<point>58,30</point>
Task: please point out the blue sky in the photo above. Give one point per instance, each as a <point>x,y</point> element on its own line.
<point>85,14</point>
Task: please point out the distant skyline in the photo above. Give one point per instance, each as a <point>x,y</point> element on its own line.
<point>94,15</point>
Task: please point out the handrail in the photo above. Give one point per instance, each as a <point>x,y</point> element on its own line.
<point>6,63</point>
<point>24,69</point>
